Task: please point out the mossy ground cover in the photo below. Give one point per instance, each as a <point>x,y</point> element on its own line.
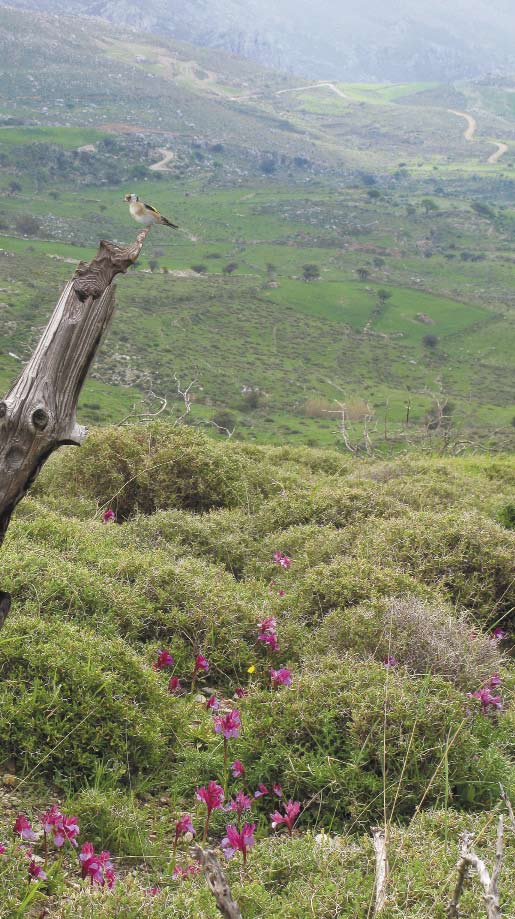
<point>397,573</point>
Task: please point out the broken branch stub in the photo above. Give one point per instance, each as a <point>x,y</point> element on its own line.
<point>38,413</point>
<point>217,882</point>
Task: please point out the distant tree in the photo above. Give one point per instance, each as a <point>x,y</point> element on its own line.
<point>373,193</point>
<point>153,264</point>
<point>429,205</point>
<point>14,187</point>
<point>310,272</point>
<point>362,273</point>
<point>27,225</point>
<point>230,268</point>
<point>430,341</point>
<point>367,178</point>
<point>268,164</point>
<point>383,296</point>
<point>271,268</point>
<point>378,261</point>
<point>199,269</point>
<point>251,399</point>
<point>410,210</point>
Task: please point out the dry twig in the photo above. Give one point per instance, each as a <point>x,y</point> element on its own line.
<point>217,882</point>
<point>469,859</point>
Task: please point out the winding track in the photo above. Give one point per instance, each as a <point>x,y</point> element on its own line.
<point>501,150</point>
<point>299,89</point>
<point>470,131</point>
<point>471,128</point>
<point>162,165</point>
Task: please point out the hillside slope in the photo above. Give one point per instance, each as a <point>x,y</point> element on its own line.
<point>338,243</point>
<point>404,40</point>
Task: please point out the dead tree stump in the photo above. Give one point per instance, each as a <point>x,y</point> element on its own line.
<point>38,414</point>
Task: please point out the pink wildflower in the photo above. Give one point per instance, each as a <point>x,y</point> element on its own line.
<point>183,826</point>
<point>180,873</point>
<point>108,516</point>
<point>270,639</point>
<point>212,796</point>
<point>24,828</point>
<point>229,725</point>
<point>282,560</point>
<point>277,790</point>
<point>267,632</point>
<point>239,841</point>
<point>36,871</point>
<point>213,704</point>
<point>291,812</point>
<point>390,661</point>
<point>201,663</point>
<point>495,680</point>
<point>499,634</point>
<point>281,677</point>
<point>282,593</point>
<point>164,659</point>
<point>269,624</point>
<point>174,686</point>
<point>60,827</point>
<point>261,791</point>
<point>3,849</point>
<point>152,891</point>
<point>238,769</point>
<point>240,693</point>
<point>98,868</point>
<point>485,697</point>
<point>241,802</point>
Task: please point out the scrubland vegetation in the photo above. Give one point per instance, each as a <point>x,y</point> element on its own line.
<point>352,618</point>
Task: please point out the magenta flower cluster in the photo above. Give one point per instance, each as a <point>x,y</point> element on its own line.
<point>165,660</point>
<point>485,695</point>
<point>58,829</point>
<point>283,560</point>
<point>97,868</point>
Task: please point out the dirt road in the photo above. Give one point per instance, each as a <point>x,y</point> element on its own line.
<point>501,150</point>
<point>299,89</point>
<point>162,165</point>
<point>471,128</point>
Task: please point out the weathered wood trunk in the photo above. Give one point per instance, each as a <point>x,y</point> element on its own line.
<point>38,414</point>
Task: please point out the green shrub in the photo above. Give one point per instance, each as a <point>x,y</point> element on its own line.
<point>138,470</point>
<point>70,699</point>
<point>424,637</point>
<point>323,739</point>
<point>346,582</point>
<point>467,555</point>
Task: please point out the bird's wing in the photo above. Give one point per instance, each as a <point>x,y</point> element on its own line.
<point>153,209</point>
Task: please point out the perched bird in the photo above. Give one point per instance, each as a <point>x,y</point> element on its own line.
<point>146,214</point>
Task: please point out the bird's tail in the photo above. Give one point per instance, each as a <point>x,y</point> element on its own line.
<point>167,223</point>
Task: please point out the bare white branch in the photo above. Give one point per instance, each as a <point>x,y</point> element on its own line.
<point>469,859</point>
<point>379,839</point>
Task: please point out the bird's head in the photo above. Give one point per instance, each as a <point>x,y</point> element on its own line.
<point>131,199</point>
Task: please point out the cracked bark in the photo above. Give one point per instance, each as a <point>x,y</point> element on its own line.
<point>38,414</point>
